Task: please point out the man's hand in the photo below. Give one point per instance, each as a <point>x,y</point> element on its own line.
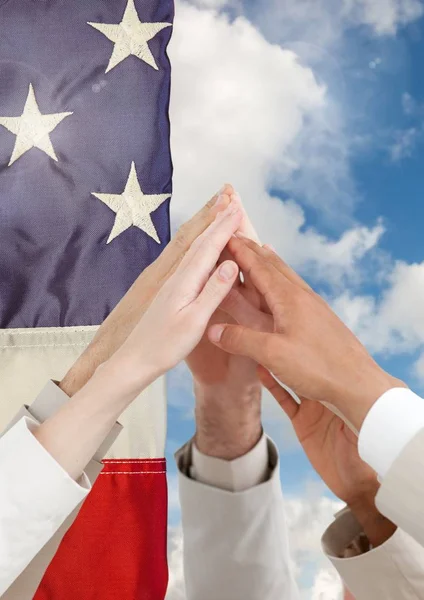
<point>122,320</point>
<point>310,349</point>
<point>227,388</point>
<point>333,452</point>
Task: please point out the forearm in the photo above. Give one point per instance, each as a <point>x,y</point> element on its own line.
<point>114,330</point>
<point>390,570</point>
<point>75,432</point>
<point>376,526</point>
<point>228,423</point>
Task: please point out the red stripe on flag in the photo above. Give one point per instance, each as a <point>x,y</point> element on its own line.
<point>116,548</point>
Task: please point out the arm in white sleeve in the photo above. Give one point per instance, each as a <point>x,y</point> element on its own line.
<point>36,496</point>
<point>234,526</point>
<point>392,571</point>
<point>50,399</point>
<point>392,442</point>
<point>394,420</point>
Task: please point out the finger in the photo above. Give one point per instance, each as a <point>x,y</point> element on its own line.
<point>284,399</point>
<point>216,289</point>
<point>188,232</point>
<point>268,252</point>
<point>204,253</point>
<point>269,282</point>
<point>246,226</point>
<point>226,190</point>
<point>242,311</point>
<point>248,231</point>
<point>237,339</point>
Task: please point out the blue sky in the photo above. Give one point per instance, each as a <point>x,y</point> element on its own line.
<point>314,110</point>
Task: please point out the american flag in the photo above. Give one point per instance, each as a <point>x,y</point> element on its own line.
<point>85,183</point>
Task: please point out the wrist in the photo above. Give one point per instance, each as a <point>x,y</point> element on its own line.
<point>376,526</point>
<point>228,422</point>
<point>125,376</point>
<point>356,403</point>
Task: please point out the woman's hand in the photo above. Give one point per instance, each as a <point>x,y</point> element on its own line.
<point>125,316</point>
<point>176,320</point>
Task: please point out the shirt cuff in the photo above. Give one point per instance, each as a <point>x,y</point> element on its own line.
<point>34,483</point>
<point>236,475</point>
<point>394,420</point>
<point>47,468</point>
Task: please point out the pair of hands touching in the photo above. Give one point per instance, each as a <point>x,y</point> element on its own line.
<point>224,328</point>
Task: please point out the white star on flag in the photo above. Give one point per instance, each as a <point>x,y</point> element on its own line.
<point>130,37</point>
<point>32,128</point>
<point>133,207</point>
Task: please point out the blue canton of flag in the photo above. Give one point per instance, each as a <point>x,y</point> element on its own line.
<point>84,155</point>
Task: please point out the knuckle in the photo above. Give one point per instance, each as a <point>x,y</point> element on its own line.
<point>232,300</point>
<point>211,202</point>
<point>231,337</point>
<point>210,244</point>
<point>212,289</point>
<point>197,243</point>
<point>181,238</point>
<point>268,349</point>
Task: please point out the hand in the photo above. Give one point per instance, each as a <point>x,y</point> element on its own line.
<point>332,449</point>
<point>309,349</point>
<point>227,388</point>
<point>122,320</point>
<point>177,318</point>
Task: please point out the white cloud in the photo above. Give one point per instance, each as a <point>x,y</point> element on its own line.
<point>385,16</point>
<point>418,368</point>
<point>216,4</point>
<point>176,586</point>
<point>247,111</point>
<point>326,586</point>
<point>395,323</point>
<point>316,28</point>
<point>409,105</point>
<point>404,145</point>
<point>308,517</point>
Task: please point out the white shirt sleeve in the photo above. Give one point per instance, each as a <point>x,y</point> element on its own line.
<point>36,496</point>
<point>235,543</point>
<point>394,420</point>
<point>236,475</point>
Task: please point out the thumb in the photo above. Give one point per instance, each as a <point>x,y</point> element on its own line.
<point>237,339</point>
<point>284,399</point>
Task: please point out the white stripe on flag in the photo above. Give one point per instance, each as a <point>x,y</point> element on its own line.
<point>30,357</point>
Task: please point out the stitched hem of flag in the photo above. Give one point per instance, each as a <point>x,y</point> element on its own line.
<point>36,337</point>
<point>30,357</point>
<point>134,466</point>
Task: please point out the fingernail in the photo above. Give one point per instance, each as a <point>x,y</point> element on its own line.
<point>220,200</point>
<point>227,270</point>
<point>236,197</point>
<point>269,247</point>
<point>215,333</point>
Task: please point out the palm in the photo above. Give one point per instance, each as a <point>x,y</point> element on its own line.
<point>332,450</point>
